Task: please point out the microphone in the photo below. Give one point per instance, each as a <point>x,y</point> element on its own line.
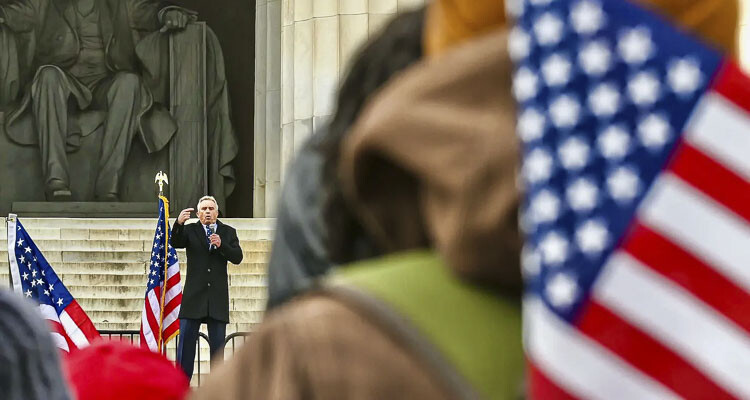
<point>211,232</point>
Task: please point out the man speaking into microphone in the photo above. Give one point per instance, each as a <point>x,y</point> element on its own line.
<point>205,298</point>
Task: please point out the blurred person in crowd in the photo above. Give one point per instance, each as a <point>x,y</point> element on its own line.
<point>431,164</point>
<point>29,361</point>
<point>115,370</point>
<point>307,243</point>
<point>403,326</point>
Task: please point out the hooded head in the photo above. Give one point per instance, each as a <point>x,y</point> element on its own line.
<point>451,22</point>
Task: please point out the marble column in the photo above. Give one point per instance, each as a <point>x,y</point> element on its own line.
<point>317,40</point>
<point>267,166</point>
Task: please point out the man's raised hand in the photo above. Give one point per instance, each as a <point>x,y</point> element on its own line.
<point>184,215</point>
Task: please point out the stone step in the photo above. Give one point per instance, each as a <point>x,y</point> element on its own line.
<point>95,268</point>
<point>248,304</point>
<point>84,256</point>
<point>90,245</point>
<point>132,292</point>
<point>136,223</point>
<point>134,326</point>
<point>139,280</point>
<point>46,245</point>
<point>125,267</point>
<point>252,280</point>
<point>122,234</point>
<point>134,317</point>
<point>132,304</point>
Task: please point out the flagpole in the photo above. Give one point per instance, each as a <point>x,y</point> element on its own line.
<point>161,179</point>
<point>11,217</point>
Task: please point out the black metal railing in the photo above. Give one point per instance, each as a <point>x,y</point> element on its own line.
<point>133,337</point>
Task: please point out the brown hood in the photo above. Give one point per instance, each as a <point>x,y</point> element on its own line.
<point>432,163</point>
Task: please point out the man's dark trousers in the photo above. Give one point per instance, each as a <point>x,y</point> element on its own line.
<point>188,339</point>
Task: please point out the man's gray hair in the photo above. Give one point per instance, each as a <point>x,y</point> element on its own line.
<point>197,207</point>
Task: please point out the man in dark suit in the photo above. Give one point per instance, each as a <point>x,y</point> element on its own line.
<point>205,298</point>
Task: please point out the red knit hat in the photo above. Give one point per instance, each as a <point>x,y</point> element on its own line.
<point>114,370</point>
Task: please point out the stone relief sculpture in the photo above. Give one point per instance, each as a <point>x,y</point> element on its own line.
<point>74,68</point>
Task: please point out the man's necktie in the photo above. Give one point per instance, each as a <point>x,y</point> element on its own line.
<point>209,232</point>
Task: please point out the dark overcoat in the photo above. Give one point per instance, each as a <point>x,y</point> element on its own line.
<point>206,291</point>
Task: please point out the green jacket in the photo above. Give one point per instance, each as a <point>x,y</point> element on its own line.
<point>470,336</point>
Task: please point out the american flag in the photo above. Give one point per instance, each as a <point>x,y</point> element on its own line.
<point>159,319</point>
<point>33,277</point>
<point>636,167</point>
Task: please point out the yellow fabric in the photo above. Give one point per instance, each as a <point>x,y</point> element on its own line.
<point>716,21</point>
<point>450,22</point>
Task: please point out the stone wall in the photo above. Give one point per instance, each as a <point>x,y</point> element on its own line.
<point>302,50</point>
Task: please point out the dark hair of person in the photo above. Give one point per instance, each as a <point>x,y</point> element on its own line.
<point>398,46</point>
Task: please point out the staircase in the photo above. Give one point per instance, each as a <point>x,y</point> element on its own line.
<point>103,263</point>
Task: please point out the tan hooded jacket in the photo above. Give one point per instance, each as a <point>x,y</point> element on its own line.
<point>431,163</point>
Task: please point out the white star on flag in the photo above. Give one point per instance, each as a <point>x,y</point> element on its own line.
<point>684,76</point>
<point>531,125</point>
<point>519,43</point>
<point>592,237</point>
<point>530,261</point>
<point>548,29</point>
<point>561,290</point>
<point>654,131</point>
<point>524,85</point>
<point>635,45</point>
<point>554,248</point>
<point>623,184</point>
<point>545,206</point>
<point>595,58</point>
<point>582,195</point>
<point>564,111</point>
<point>514,8</point>
<point>538,165</point>
<point>614,142</point>
<point>604,100</point>
<point>556,70</point>
<point>587,17</point>
<point>644,89</point>
<point>574,153</point>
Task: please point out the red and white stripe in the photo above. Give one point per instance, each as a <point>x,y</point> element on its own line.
<point>152,311</point>
<point>669,316</point>
<point>72,329</point>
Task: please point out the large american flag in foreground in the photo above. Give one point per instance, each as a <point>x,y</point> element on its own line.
<point>637,211</point>
<point>159,319</point>
<point>33,277</point>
